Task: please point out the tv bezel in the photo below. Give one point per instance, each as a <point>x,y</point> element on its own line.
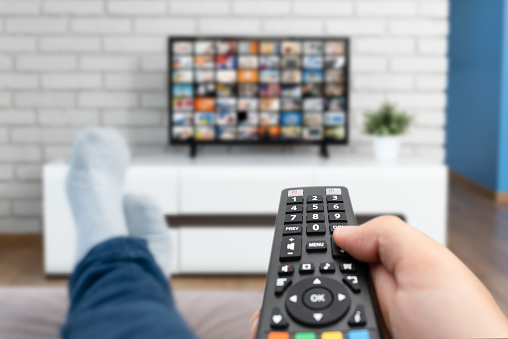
<point>279,142</point>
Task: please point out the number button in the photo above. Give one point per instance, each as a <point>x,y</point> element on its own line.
<point>314,198</point>
<point>336,207</point>
<point>293,219</point>
<point>315,217</point>
<point>294,208</point>
<point>334,198</point>
<point>295,200</point>
<point>315,207</point>
<point>316,229</point>
<point>333,216</point>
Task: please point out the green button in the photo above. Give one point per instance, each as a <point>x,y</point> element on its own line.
<point>305,335</point>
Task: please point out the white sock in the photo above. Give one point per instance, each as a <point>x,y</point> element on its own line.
<point>95,185</point>
<point>145,220</point>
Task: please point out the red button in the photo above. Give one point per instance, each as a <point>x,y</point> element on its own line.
<point>278,335</point>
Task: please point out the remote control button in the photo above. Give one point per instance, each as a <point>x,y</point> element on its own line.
<point>358,317</point>
<point>281,284</point>
<point>336,207</point>
<point>298,208</point>
<point>334,198</point>
<point>358,334</point>
<point>353,283</point>
<point>332,335</point>
<point>306,268</point>
<point>334,226</point>
<point>337,252</point>
<point>327,267</point>
<point>316,246</point>
<point>314,198</point>
<point>315,217</point>
<point>293,219</point>
<point>278,335</point>
<point>347,267</point>
<point>305,335</point>
<point>286,269</point>
<point>317,298</point>
<point>291,248</point>
<point>330,302</point>
<point>295,193</point>
<point>335,216</point>
<point>292,230</point>
<point>295,200</point>
<point>278,320</point>
<point>333,191</point>
<point>316,229</point>
<point>317,207</point>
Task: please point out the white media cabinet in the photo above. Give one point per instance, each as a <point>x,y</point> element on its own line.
<point>246,186</point>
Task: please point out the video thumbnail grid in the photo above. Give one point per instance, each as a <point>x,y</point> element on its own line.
<point>266,89</point>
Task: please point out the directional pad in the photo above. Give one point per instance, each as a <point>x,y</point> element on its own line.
<point>317,301</point>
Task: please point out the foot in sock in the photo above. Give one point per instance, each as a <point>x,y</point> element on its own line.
<point>95,187</point>
<point>144,220</point>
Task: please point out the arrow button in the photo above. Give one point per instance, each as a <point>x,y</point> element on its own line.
<point>318,316</point>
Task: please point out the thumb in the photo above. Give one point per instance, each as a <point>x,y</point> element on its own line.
<point>384,239</point>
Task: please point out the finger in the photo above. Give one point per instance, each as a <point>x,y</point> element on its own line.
<point>254,324</point>
<point>385,239</point>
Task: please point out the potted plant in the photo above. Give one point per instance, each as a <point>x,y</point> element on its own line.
<point>386,125</point>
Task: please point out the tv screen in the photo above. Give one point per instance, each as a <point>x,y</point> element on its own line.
<point>258,90</point>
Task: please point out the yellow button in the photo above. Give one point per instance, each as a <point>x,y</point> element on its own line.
<point>331,335</point>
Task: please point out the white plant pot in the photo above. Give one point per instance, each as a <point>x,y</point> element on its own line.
<point>386,148</point>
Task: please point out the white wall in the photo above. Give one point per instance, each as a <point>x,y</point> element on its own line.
<point>66,64</point>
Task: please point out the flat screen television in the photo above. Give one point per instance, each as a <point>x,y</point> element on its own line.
<point>266,90</point>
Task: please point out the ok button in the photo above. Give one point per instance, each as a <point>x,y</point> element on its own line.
<point>317,298</point>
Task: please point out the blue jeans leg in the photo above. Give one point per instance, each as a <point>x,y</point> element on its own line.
<point>118,291</point>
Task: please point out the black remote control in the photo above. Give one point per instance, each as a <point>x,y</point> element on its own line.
<point>314,290</point>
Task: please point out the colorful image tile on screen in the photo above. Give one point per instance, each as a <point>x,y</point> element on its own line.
<point>335,47</point>
<point>334,76</point>
<point>269,132</point>
<point>204,47</point>
<point>291,118</point>
<point>183,104</point>
<point>271,104</point>
<point>204,133</point>
<point>334,90</point>
<point>313,47</point>
<point>226,61</point>
<point>247,47</point>
<point>248,118</point>
<point>314,104</point>
<point>226,76</point>
<point>204,76</point>
<point>291,76</point>
<point>204,62</point>
<point>183,90</point>
<point>291,104</point>
<point>226,104</point>
<point>335,61</point>
<point>269,119</point>
<point>204,118</point>
<point>313,62</point>
<point>334,118</point>
<point>291,132</point>
<point>247,90</point>
<point>226,47</point>
<point>226,132</point>
<point>336,105</point>
<point>182,62</point>
<point>312,133</point>
<point>291,47</point>
<point>247,76</point>
<point>204,90</point>
<point>182,119</point>
<point>269,76</point>
<point>335,133</point>
<point>313,118</point>
<point>269,61</point>
<point>226,90</point>
<point>312,76</point>
<point>226,118</point>
<point>247,61</point>
<point>182,76</point>
<point>248,104</point>
<point>247,133</point>
<point>182,132</point>
<point>312,90</point>
<point>204,104</point>
<point>291,91</point>
<point>183,47</point>
<point>269,47</point>
<point>269,90</point>
<point>291,62</point>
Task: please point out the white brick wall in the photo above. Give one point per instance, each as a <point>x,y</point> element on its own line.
<point>68,64</point>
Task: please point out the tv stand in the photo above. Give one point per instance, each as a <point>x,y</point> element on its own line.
<point>323,150</point>
<point>193,150</point>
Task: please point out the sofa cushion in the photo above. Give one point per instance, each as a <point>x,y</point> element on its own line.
<point>38,312</point>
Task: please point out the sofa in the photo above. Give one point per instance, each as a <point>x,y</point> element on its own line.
<point>38,312</point>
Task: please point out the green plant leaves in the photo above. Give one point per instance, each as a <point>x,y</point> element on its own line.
<point>386,121</point>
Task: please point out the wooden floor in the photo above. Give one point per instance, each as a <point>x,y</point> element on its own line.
<point>477,234</point>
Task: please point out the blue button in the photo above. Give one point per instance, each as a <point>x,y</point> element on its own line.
<point>359,334</point>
